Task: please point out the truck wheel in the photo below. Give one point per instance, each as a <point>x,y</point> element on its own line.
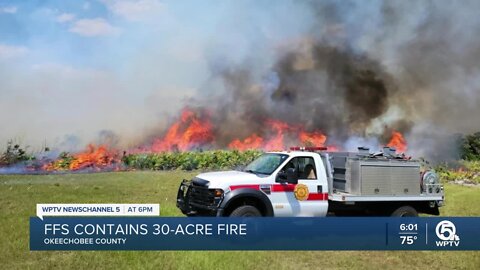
<point>405,211</point>
<point>246,211</point>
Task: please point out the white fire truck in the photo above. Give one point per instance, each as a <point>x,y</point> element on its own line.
<point>311,182</point>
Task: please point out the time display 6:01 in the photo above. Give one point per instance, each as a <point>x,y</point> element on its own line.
<point>408,227</point>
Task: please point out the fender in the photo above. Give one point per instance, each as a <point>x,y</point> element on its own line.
<point>247,192</point>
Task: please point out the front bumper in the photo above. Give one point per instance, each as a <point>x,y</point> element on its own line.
<point>196,200</point>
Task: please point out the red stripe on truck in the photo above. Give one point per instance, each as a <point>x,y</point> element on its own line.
<point>257,187</point>
<point>317,197</point>
<point>285,188</point>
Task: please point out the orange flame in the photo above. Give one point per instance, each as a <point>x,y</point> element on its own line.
<point>276,140</point>
<point>315,138</point>
<point>398,142</point>
<point>190,131</point>
<point>251,142</point>
<point>94,157</point>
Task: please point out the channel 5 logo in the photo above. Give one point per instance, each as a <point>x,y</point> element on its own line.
<point>447,233</point>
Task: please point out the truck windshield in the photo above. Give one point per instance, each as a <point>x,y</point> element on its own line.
<point>266,163</point>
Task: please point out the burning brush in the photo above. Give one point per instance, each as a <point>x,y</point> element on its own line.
<point>193,130</point>
<point>94,158</point>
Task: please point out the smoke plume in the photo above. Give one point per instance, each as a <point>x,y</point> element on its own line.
<point>360,73</point>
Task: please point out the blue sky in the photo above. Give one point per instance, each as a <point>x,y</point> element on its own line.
<point>78,32</point>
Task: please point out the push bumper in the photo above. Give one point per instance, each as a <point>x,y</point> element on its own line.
<point>188,200</point>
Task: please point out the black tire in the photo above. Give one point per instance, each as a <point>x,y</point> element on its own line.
<point>246,211</point>
<point>405,211</point>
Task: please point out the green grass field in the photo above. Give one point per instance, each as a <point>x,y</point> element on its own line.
<point>21,193</point>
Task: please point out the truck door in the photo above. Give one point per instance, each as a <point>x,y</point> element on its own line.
<point>310,202</point>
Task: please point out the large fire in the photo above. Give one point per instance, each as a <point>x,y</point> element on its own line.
<point>398,142</point>
<point>194,130</point>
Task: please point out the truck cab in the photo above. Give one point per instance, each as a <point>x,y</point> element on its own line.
<point>303,183</point>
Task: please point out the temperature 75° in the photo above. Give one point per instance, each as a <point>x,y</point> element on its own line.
<point>408,239</point>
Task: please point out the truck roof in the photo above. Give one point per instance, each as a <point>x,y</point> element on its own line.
<point>295,153</point>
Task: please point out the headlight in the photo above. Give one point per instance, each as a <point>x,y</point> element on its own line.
<point>218,193</point>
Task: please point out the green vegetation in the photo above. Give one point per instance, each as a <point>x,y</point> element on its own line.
<point>207,160</point>
<point>466,171</point>
<point>20,194</point>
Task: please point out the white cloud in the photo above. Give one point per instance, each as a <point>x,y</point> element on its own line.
<point>135,10</point>
<point>10,10</point>
<point>93,27</point>
<point>7,51</point>
<point>65,17</point>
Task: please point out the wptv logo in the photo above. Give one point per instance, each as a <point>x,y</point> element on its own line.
<point>447,233</point>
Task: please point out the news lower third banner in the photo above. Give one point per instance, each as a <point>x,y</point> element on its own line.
<point>182,233</point>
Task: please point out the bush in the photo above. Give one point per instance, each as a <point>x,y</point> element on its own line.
<point>14,154</point>
<point>470,146</point>
<point>208,160</point>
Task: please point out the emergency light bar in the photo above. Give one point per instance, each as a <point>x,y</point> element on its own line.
<point>314,148</point>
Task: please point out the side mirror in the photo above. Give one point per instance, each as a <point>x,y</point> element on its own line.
<point>281,177</point>
<point>290,176</point>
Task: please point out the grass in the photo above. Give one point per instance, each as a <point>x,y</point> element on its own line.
<point>21,193</point>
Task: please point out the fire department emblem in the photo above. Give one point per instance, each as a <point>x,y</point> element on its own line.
<point>301,192</point>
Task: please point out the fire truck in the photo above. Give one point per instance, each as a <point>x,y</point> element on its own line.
<point>312,182</point>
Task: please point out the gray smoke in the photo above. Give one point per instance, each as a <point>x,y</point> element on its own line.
<point>362,71</point>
